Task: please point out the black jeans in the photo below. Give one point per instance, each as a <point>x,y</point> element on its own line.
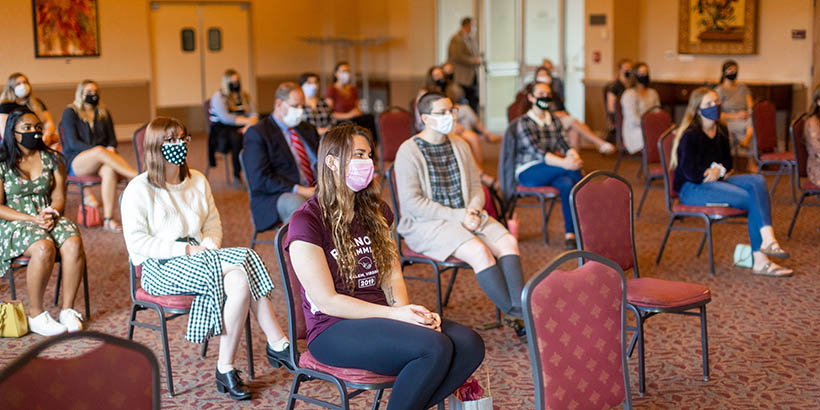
<point>224,138</point>
<point>429,365</point>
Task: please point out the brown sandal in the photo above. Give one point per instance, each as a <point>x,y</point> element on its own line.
<point>771,269</point>
<point>111,225</point>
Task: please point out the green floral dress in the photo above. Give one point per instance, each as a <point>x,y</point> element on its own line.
<point>29,197</point>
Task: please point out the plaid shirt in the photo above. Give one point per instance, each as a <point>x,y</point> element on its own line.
<point>320,117</point>
<point>535,140</point>
<point>445,177</point>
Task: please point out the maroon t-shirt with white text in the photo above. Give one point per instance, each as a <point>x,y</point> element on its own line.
<point>308,224</point>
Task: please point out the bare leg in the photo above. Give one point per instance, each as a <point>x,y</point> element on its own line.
<point>233,314</point>
<point>73,261</point>
<point>109,189</point>
<point>587,133</point>
<point>39,269</point>
<point>475,146</point>
<point>476,254</point>
<point>507,245</point>
<point>263,311</point>
<point>89,162</point>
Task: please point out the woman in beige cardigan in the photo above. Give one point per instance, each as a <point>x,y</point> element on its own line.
<point>442,201</point>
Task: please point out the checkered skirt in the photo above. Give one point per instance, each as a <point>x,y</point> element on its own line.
<point>201,275</point>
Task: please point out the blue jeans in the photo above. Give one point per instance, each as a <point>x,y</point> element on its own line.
<point>561,179</point>
<point>741,191</point>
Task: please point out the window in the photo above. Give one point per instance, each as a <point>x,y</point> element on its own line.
<point>214,39</point>
<point>188,39</point>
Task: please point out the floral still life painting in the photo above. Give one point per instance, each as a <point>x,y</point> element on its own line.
<point>718,27</point>
<point>66,28</point>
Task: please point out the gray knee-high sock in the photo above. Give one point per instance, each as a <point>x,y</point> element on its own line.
<point>514,275</point>
<point>495,287</point>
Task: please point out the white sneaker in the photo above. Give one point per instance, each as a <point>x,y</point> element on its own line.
<point>606,148</point>
<point>44,325</point>
<point>71,319</point>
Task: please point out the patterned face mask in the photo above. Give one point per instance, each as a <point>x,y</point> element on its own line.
<point>175,153</point>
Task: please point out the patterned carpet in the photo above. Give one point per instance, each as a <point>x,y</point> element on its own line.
<point>764,340</point>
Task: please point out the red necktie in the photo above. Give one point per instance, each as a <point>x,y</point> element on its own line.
<point>302,156</point>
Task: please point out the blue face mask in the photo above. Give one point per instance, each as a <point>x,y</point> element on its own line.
<point>711,113</point>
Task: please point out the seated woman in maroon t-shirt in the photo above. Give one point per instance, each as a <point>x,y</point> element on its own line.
<point>356,307</point>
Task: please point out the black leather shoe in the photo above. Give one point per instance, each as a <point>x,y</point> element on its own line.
<point>570,244</point>
<point>517,325</point>
<point>232,384</point>
<point>277,359</point>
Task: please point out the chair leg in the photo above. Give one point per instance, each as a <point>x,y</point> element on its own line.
<point>439,302</point>
<point>294,390</point>
<point>794,217</point>
<point>641,357</point>
<point>450,286</point>
<point>792,178</point>
<point>82,206</point>
<point>227,169</point>
<point>643,196</point>
<point>776,180</point>
<point>85,292</point>
<point>377,399</point>
<point>704,342</point>
<point>204,350</point>
<point>253,239</point>
<point>57,285</point>
<point>12,288</point>
<point>665,237</point>
<point>131,321</point>
<point>249,346</point>
<point>702,242</point>
<point>166,352</point>
<point>618,161</point>
<point>711,248</point>
<point>544,220</point>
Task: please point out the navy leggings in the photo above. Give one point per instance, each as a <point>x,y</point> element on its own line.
<point>429,365</point>
<point>561,179</point>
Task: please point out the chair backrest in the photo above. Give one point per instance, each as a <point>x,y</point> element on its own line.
<point>394,200</point>
<point>764,138</point>
<point>576,328</point>
<point>665,143</point>
<point>395,126</point>
<point>797,131</point>
<point>293,295</point>
<point>134,272</point>
<point>139,147</point>
<point>118,373</point>
<point>518,107</point>
<point>247,185</point>
<point>619,121</point>
<point>602,214</point>
<point>653,124</point>
<point>206,106</point>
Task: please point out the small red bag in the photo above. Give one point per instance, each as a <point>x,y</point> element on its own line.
<point>92,216</point>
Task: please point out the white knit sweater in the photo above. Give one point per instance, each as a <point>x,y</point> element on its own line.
<point>154,218</point>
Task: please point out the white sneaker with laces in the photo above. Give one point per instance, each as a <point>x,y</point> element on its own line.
<point>71,319</point>
<point>44,325</point>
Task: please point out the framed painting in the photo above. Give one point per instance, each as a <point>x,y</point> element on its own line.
<point>717,27</point>
<point>66,28</point>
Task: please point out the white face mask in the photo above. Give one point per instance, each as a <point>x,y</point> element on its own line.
<point>344,77</point>
<point>309,89</point>
<point>444,123</point>
<point>293,117</point>
<point>543,79</point>
<point>22,90</point>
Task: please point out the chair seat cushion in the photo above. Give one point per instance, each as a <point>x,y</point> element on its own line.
<point>90,179</point>
<point>660,293</point>
<point>409,253</point>
<point>777,156</point>
<point>809,186</point>
<point>656,171</point>
<point>170,301</point>
<point>540,190</point>
<point>307,361</point>
<point>721,211</point>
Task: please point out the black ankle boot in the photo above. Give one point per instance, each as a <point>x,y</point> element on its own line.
<point>232,384</point>
<point>277,359</point>
<point>517,325</point>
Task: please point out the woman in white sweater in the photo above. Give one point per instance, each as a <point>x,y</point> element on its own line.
<point>636,101</point>
<point>172,228</point>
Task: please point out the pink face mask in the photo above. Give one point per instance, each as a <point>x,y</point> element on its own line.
<point>359,173</point>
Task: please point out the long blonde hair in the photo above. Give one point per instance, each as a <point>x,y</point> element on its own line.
<point>87,115</point>
<point>340,204</point>
<point>225,91</point>
<point>157,131</point>
<point>8,95</point>
<point>692,115</point>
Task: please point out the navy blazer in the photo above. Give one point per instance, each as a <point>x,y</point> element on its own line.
<point>270,168</point>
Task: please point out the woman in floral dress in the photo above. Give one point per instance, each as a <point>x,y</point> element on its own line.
<point>31,222</point>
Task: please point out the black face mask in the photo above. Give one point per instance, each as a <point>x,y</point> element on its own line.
<point>449,77</point>
<point>627,74</point>
<point>234,86</point>
<point>643,79</point>
<point>543,102</point>
<point>441,83</point>
<point>31,140</point>
<point>732,76</point>
<point>92,99</point>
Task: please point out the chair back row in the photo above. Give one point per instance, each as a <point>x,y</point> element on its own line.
<point>292,288</point>
<point>654,123</point>
<point>764,136</point>
<point>797,133</point>
<point>665,143</point>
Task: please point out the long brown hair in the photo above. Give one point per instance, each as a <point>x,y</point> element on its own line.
<point>157,131</point>
<point>87,115</point>
<point>691,115</point>
<point>340,204</point>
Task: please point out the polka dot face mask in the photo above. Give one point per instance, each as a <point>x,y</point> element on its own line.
<point>175,153</point>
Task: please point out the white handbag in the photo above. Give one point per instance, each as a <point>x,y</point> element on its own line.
<point>743,255</point>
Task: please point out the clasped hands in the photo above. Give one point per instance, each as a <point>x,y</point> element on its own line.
<point>417,315</point>
<point>473,219</point>
<point>46,218</point>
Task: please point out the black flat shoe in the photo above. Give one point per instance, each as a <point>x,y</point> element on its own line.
<point>517,325</point>
<point>277,359</point>
<point>232,384</point>
<point>570,244</point>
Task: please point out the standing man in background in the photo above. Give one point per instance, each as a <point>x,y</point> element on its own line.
<point>464,55</point>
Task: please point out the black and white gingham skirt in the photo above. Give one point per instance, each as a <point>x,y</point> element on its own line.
<point>201,275</point>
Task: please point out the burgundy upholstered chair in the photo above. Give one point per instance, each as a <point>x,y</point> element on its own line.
<point>80,182</point>
<point>169,308</point>
<point>764,146</point>
<point>409,257</point>
<point>678,211</point>
<point>604,224</point>
<point>306,366</point>
<point>22,262</point>
<point>256,229</point>
<point>88,380</point>
<point>576,328</point>
<point>139,147</point>
<point>653,124</point>
<point>395,126</point>
<point>807,189</point>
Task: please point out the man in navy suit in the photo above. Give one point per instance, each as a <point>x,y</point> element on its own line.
<point>280,159</point>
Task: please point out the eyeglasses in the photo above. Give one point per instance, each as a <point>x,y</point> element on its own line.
<point>453,111</point>
<point>175,140</point>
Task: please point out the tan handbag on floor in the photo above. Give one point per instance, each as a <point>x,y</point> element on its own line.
<point>13,321</point>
